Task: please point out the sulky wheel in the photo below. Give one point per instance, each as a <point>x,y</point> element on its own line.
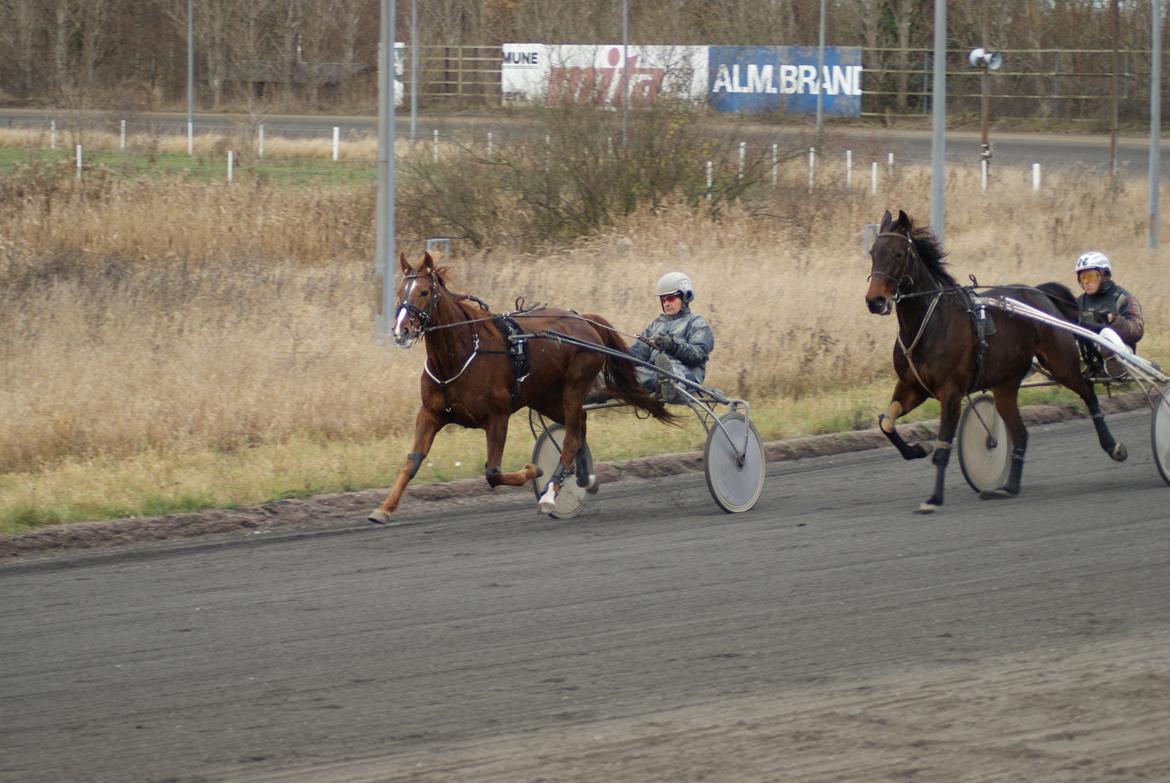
<point>1160,432</point>
<point>734,480</point>
<point>545,455</point>
<point>985,448</point>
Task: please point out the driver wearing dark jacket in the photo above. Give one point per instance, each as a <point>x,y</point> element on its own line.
<point>678,341</point>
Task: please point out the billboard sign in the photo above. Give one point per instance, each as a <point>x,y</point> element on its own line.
<point>597,74</point>
<point>767,79</point>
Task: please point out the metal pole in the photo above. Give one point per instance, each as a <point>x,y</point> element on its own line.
<point>820,79</point>
<point>985,102</point>
<point>1113,109</point>
<point>1155,119</point>
<point>190,78</point>
<point>625,70</point>
<point>384,263</point>
<point>413,67</point>
<point>938,102</point>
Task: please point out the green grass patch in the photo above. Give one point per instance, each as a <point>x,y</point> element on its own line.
<point>296,172</point>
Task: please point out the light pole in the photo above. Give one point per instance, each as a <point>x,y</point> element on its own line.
<point>385,245</point>
<point>413,68</point>
<point>820,79</point>
<point>1155,118</point>
<point>190,79</point>
<point>938,146</point>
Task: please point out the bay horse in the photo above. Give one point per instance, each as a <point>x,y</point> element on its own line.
<point>468,378</point>
<point>937,351</point>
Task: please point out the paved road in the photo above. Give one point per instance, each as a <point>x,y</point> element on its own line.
<point>467,645</point>
<point>909,146</point>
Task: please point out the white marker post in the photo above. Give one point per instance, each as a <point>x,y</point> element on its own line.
<point>775,164</point>
<point>489,147</point>
<point>435,146</point>
<point>190,139</point>
<point>1035,177</point>
<point>983,175</point>
<point>231,166</point>
<point>848,169</point>
<point>52,134</point>
<point>742,158</point>
<point>123,136</point>
<point>873,178</point>
<point>336,143</point>
<point>260,140</point>
<point>890,164</point>
<point>812,166</point>
<point>710,178</point>
<point>79,161</point>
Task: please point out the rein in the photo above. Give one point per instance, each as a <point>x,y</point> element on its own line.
<point>900,296</point>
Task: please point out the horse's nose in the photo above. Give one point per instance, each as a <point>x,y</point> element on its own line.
<point>878,305</point>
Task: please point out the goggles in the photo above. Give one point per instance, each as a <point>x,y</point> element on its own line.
<point>668,297</point>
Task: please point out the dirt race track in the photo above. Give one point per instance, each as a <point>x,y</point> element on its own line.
<point>828,635</point>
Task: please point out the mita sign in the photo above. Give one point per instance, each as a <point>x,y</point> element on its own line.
<point>737,79</point>
<point>766,79</point>
<point>598,74</point>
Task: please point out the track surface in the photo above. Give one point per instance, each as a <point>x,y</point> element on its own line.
<point>829,634</point>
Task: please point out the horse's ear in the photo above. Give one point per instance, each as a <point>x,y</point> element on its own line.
<point>904,221</point>
<point>402,262</point>
<point>887,219</point>
<point>428,264</point>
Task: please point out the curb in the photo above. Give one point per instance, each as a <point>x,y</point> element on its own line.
<point>345,508</point>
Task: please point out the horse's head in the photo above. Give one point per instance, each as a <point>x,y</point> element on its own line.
<point>893,257</point>
<point>417,296</point>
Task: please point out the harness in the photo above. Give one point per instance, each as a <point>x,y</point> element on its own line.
<point>977,312</point>
<point>515,341</point>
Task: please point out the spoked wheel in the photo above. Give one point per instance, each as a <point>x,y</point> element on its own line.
<point>546,454</point>
<point>735,481</point>
<point>985,448</point>
<point>1160,432</point>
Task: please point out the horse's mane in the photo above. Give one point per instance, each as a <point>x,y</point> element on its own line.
<point>930,251</point>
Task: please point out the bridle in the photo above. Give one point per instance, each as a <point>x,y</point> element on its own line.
<point>903,279</point>
<point>422,317</point>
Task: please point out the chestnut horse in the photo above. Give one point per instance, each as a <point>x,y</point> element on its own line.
<point>937,351</point>
<point>468,378</point>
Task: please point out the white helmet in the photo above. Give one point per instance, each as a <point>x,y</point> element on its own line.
<point>676,283</point>
<point>1094,260</point>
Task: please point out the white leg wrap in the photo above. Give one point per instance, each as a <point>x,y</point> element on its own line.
<point>548,501</point>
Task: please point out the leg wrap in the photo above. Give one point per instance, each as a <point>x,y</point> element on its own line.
<point>558,476</point>
<point>942,453</point>
<point>415,460</point>
<point>492,475</point>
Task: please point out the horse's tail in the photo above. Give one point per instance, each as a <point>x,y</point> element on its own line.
<point>1063,299</point>
<point>625,380</point>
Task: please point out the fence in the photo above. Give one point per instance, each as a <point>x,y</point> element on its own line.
<point>1065,84</point>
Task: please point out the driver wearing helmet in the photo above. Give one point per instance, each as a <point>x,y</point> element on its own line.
<point>678,341</point>
<point>1105,304</point>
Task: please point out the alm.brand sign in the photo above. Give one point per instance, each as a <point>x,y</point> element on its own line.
<point>766,79</point>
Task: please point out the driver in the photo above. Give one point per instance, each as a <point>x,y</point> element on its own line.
<point>1105,306</point>
<point>678,341</point>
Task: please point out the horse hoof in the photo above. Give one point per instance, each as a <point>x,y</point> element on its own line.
<point>926,508</point>
<point>548,501</point>
<point>537,472</point>
<point>379,517</point>
<point>998,494</point>
<point>1119,453</point>
<point>593,485</point>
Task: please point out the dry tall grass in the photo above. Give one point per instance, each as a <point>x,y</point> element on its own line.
<point>150,322</point>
